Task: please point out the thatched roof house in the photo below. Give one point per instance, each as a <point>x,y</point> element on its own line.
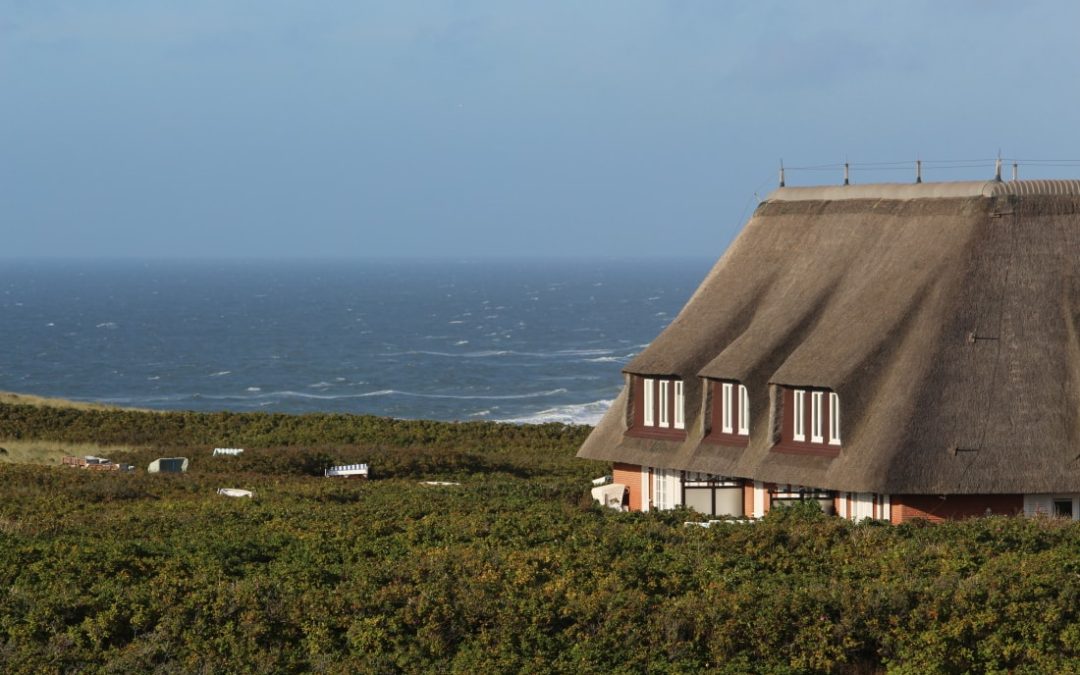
<point>943,319</point>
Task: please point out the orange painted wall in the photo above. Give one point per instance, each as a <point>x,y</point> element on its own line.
<point>630,476</point>
<point>952,507</point>
<point>769,487</point>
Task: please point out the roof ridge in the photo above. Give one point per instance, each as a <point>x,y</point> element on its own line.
<point>937,190</point>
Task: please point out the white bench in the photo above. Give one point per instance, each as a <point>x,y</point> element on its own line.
<point>347,471</point>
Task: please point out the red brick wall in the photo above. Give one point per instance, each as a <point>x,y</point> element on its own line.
<point>952,507</point>
<point>630,476</point>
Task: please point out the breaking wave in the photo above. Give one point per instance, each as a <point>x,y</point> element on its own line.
<point>580,413</point>
<point>489,353</point>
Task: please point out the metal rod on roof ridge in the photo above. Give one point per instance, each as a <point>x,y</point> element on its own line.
<point>1016,171</point>
<point>997,168</point>
<point>918,171</point>
<point>847,180</point>
<point>781,173</point>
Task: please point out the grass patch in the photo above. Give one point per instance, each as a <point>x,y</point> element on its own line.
<point>14,451</point>
<point>10,398</point>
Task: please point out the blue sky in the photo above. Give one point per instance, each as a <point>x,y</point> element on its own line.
<point>154,128</point>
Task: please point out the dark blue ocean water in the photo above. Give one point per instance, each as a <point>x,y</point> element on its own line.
<point>518,341</point>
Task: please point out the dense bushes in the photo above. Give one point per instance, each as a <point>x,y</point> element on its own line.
<point>512,570</point>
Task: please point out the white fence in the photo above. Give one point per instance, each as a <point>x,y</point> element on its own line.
<point>231,452</point>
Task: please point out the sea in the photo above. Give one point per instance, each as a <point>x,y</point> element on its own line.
<point>524,341</point>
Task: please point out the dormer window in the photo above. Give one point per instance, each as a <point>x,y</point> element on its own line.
<point>663,407</point>
<point>799,416</point>
<point>730,413</point>
<point>811,421</point>
<point>659,407</point>
<point>649,395</point>
<point>680,406</point>
<point>744,411</point>
<point>816,398</point>
<point>727,426</point>
<point>834,419</point>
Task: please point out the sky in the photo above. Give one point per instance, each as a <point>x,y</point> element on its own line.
<point>620,128</point>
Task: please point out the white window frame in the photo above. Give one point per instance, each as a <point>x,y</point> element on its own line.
<point>744,411</point>
<point>834,419</point>
<point>798,429</point>
<point>663,386</point>
<point>647,402</point>
<point>725,407</point>
<point>667,488</point>
<point>680,403</point>
<point>817,400</point>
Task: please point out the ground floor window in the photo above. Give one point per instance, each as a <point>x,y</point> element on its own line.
<point>785,495</point>
<point>713,495</point>
<point>860,505</point>
<point>1053,505</point>
<point>666,488</point>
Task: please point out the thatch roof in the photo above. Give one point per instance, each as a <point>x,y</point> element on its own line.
<point>945,315</point>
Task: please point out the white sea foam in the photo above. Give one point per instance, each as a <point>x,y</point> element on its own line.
<point>487,353</point>
<point>107,324</point>
<point>578,413</point>
<point>611,359</point>
<point>289,393</point>
<point>567,378</point>
<point>220,373</point>
<point>253,389</point>
<point>461,342</point>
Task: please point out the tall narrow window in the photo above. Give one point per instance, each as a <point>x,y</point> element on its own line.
<point>744,411</point>
<point>680,403</point>
<point>661,495</point>
<point>834,419</point>
<point>726,407</point>
<point>664,385</point>
<point>647,402</point>
<point>817,398</point>
<point>799,430</point>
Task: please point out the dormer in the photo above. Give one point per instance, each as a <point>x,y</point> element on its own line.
<point>658,407</point>
<point>810,421</point>
<point>729,414</point>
